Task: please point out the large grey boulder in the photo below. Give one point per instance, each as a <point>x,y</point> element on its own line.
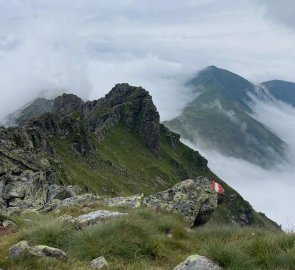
<point>197,262</point>
<point>192,198</point>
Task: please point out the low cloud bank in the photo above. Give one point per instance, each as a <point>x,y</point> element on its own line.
<point>269,191</point>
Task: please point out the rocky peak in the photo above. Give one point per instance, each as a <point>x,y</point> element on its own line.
<point>67,103</point>
<point>132,106</point>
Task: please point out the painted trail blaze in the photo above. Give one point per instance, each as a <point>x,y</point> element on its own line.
<point>217,187</point>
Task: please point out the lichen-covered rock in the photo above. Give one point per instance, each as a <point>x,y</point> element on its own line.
<point>56,204</point>
<point>197,262</point>
<point>22,248</point>
<point>46,251</point>
<point>99,263</point>
<point>62,192</point>
<point>29,189</point>
<point>192,198</point>
<point>130,202</point>
<point>97,217</point>
<point>18,250</point>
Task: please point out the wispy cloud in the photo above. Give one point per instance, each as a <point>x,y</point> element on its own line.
<point>87,46</point>
<point>270,191</point>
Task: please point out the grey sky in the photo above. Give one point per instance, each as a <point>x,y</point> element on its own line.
<point>87,46</point>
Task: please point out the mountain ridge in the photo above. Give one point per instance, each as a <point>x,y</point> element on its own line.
<point>113,146</point>
<point>220,118</point>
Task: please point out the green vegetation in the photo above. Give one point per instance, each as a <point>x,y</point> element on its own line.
<point>221,119</point>
<point>148,239</point>
<point>121,164</point>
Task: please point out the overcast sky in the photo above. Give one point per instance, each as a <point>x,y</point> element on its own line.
<point>87,46</point>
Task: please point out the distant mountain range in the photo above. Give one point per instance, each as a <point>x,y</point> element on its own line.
<point>220,117</point>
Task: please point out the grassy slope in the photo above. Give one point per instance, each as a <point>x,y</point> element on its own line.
<point>122,165</point>
<point>230,129</point>
<point>148,239</point>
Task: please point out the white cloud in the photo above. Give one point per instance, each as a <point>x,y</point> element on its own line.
<point>270,191</point>
<point>69,45</point>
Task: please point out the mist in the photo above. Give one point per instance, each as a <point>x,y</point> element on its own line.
<point>270,191</point>
<point>49,47</point>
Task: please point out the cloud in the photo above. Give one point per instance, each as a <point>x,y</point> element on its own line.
<point>282,12</point>
<point>270,191</point>
<point>86,46</point>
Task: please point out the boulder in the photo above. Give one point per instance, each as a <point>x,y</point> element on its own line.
<point>28,189</point>
<point>96,217</point>
<point>99,263</point>
<point>62,192</point>
<point>46,251</point>
<point>18,250</point>
<point>192,198</point>
<point>22,248</point>
<point>197,262</point>
<point>130,202</point>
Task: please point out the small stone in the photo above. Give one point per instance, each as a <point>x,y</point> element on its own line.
<point>46,251</point>
<point>9,224</point>
<point>197,262</point>
<point>99,263</point>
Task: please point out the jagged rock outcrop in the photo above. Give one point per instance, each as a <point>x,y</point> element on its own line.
<point>193,198</point>
<point>131,105</point>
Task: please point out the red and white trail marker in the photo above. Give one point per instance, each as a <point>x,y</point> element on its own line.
<point>217,187</point>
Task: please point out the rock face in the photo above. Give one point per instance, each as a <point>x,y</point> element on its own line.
<point>131,105</point>
<point>192,198</point>
<point>27,167</point>
<point>197,262</point>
